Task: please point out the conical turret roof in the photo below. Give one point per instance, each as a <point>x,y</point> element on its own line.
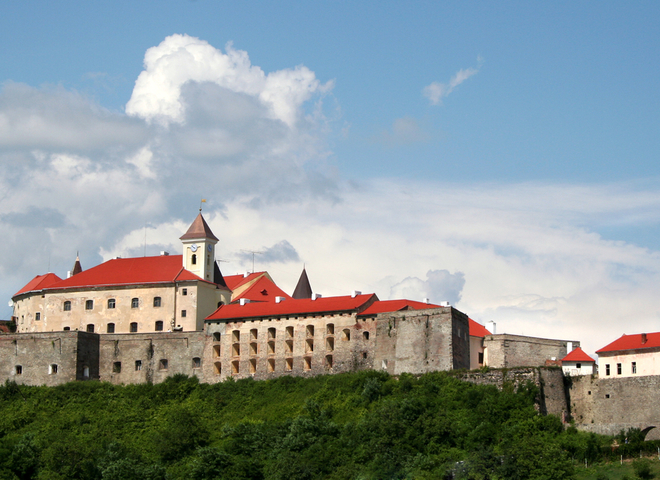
<point>303,289</point>
<point>199,229</point>
<point>77,267</point>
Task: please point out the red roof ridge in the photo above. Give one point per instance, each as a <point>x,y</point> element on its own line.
<point>577,355</point>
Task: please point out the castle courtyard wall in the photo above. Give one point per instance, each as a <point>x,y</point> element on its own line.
<point>508,351</point>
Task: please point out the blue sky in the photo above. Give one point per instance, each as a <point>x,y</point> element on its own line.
<point>535,160</point>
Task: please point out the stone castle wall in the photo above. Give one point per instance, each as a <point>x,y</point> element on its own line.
<point>509,351</point>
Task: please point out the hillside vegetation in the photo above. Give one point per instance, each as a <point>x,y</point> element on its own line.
<point>364,425</point>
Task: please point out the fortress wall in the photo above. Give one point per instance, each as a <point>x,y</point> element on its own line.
<point>420,341</point>
<point>608,405</point>
<point>38,353</point>
<point>509,351</point>
<point>159,355</point>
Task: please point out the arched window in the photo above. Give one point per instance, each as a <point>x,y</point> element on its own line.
<point>135,302</point>
<point>156,301</point>
<point>193,259</point>
<point>90,328</point>
<point>110,328</point>
<point>365,335</point>
<point>134,327</point>
<point>111,303</point>
<point>159,325</point>
<point>197,362</point>
<point>89,304</point>
<point>67,306</point>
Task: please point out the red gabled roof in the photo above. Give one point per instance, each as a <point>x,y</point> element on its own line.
<point>383,306</point>
<point>477,329</point>
<point>119,271</point>
<point>39,283</point>
<point>263,290</point>
<point>291,306</point>
<point>633,342</point>
<point>235,281</point>
<point>578,355</point>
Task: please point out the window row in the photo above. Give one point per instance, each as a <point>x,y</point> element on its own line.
<point>112,303</point>
<point>53,368</point>
<point>272,333</point>
<point>110,327</point>
<point>253,365</point>
<point>619,368</point>
<point>288,348</point>
<point>163,364</point>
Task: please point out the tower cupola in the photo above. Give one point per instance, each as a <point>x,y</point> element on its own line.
<point>199,249</point>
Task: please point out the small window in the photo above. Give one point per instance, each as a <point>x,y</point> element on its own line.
<point>37,316</point>
<point>288,365</point>
<point>110,328</point>
<point>216,336</point>
<point>288,346</point>
<point>18,370</point>
<point>220,304</point>
<point>134,327</point>
<point>607,395</point>
<point>346,334</point>
<point>138,365</point>
<point>271,365</point>
<point>156,301</point>
<point>607,369</point>
<point>309,345</point>
<point>236,350</point>
<point>159,325</point>
<point>111,303</point>
<point>236,335</point>
<point>85,371</point>
<point>328,361</point>
<point>481,358</point>
<point>197,362</point>
<point>193,259</point>
<point>89,304</point>
<point>217,368</point>
<point>253,366</point>
<point>289,332</point>
<point>235,367</point>
<point>184,291</point>
<point>310,330</point>
<point>365,335</point>
<point>253,348</point>
<point>272,333</point>
<point>330,329</point>
<point>183,313</point>
<point>90,328</point>
<point>364,355</point>
<point>216,350</point>
<point>578,365</point>
<point>67,306</point>
<point>329,344</point>
<point>52,369</point>
<point>253,334</point>
<point>271,348</point>
<point>116,367</point>
<point>307,363</point>
<point>163,364</point>
<point>135,302</point>
<point>618,369</point>
<point>634,367</point>
<point>66,329</point>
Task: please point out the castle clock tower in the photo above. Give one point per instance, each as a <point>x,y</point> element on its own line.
<point>199,248</point>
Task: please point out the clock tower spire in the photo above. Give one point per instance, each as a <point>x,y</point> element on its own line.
<point>199,248</point>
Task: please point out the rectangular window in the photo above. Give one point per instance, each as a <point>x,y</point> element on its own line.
<point>159,325</point>
<point>110,328</point>
<point>183,313</point>
<point>37,316</point>
<point>66,329</point>
<point>19,370</point>
<point>156,301</point>
<point>89,304</point>
<point>163,364</point>
<point>116,367</point>
<point>184,291</point>
<point>90,328</point>
<point>138,365</point>
<point>134,327</point>
<point>481,358</point>
<point>578,365</point>
<point>135,302</point>
<point>197,362</point>
<point>634,367</point>
<point>607,369</point>
<point>618,369</point>
<point>111,303</point>
<point>67,306</point>
<point>52,369</point>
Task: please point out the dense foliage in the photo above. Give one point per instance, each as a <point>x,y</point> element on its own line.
<point>364,425</point>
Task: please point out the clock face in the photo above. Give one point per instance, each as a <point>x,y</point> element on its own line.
<point>193,247</point>
<point>209,248</point>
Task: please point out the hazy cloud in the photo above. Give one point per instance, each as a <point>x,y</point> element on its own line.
<point>439,286</point>
<point>436,91</point>
<point>404,131</point>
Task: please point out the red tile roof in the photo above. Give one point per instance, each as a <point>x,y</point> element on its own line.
<point>120,271</point>
<point>477,329</point>
<point>578,355</point>
<point>291,306</point>
<point>39,283</point>
<point>235,281</point>
<point>263,290</point>
<point>383,306</point>
<point>633,342</point>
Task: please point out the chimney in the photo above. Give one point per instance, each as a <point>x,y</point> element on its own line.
<point>426,300</point>
<point>68,274</point>
<point>244,301</point>
<point>164,254</point>
<point>355,293</point>
<point>246,274</point>
<point>279,299</point>
<point>491,326</point>
<point>316,295</point>
<point>444,304</point>
<point>643,338</point>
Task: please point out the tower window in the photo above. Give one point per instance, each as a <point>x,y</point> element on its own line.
<point>67,306</point>
<point>134,327</point>
<point>135,302</point>
<point>110,328</point>
<point>89,304</point>
<point>156,301</point>
<point>111,303</point>
<point>193,259</point>
<point>183,313</point>
<point>159,326</point>
<point>634,367</point>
